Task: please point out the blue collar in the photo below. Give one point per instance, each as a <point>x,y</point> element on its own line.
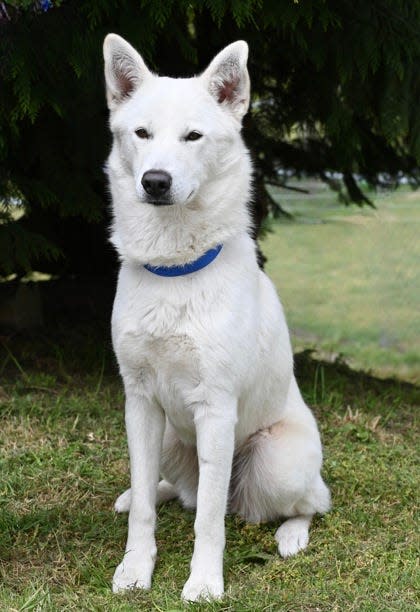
<point>187,268</point>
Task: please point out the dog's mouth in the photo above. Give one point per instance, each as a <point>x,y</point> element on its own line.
<point>166,201</point>
<point>159,201</point>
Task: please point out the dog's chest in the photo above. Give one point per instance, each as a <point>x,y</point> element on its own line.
<point>156,341</point>
<point>156,334</point>
<point>157,338</point>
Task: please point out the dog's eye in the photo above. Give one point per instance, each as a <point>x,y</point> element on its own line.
<point>142,133</point>
<point>193,135</point>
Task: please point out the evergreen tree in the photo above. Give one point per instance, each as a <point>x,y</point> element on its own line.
<point>335,88</point>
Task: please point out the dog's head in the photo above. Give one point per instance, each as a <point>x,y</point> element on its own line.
<point>174,136</point>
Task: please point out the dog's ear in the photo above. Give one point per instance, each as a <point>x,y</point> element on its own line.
<point>227,78</point>
<point>125,70</point>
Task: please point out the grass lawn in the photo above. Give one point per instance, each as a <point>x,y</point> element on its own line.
<point>63,461</point>
<point>349,278</point>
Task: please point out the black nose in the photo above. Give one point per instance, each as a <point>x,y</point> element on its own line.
<point>156,182</point>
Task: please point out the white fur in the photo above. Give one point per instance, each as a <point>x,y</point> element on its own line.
<point>211,400</point>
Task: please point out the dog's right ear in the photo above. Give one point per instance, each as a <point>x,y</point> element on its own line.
<point>125,70</point>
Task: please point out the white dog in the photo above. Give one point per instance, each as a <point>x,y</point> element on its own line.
<point>201,340</point>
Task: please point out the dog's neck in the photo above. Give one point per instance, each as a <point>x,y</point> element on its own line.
<point>177,235</point>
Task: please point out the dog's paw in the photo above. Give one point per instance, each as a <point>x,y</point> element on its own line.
<point>206,588</point>
<point>123,502</point>
<point>128,576</point>
<point>292,536</point>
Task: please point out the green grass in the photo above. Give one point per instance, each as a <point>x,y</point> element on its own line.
<point>349,278</point>
<point>64,460</point>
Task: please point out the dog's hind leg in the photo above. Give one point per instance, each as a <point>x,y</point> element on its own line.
<point>276,473</point>
<point>123,502</point>
<point>165,492</point>
<point>293,535</point>
<point>179,466</point>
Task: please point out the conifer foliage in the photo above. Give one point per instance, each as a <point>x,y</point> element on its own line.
<point>335,83</point>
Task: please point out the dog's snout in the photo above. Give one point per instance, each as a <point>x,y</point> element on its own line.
<point>156,183</point>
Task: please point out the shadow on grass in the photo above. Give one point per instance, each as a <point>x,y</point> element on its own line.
<point>348,381</point>
<point>68,354</point>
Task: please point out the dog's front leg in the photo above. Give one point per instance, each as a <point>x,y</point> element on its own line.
<point>215,444</point>
<point>145,425</point>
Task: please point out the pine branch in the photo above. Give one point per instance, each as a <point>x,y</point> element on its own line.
<point>355,193</point>
<point>276,208</point>
<point>284,186</point>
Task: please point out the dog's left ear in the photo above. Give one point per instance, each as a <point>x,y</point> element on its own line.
<point>227,78</point>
